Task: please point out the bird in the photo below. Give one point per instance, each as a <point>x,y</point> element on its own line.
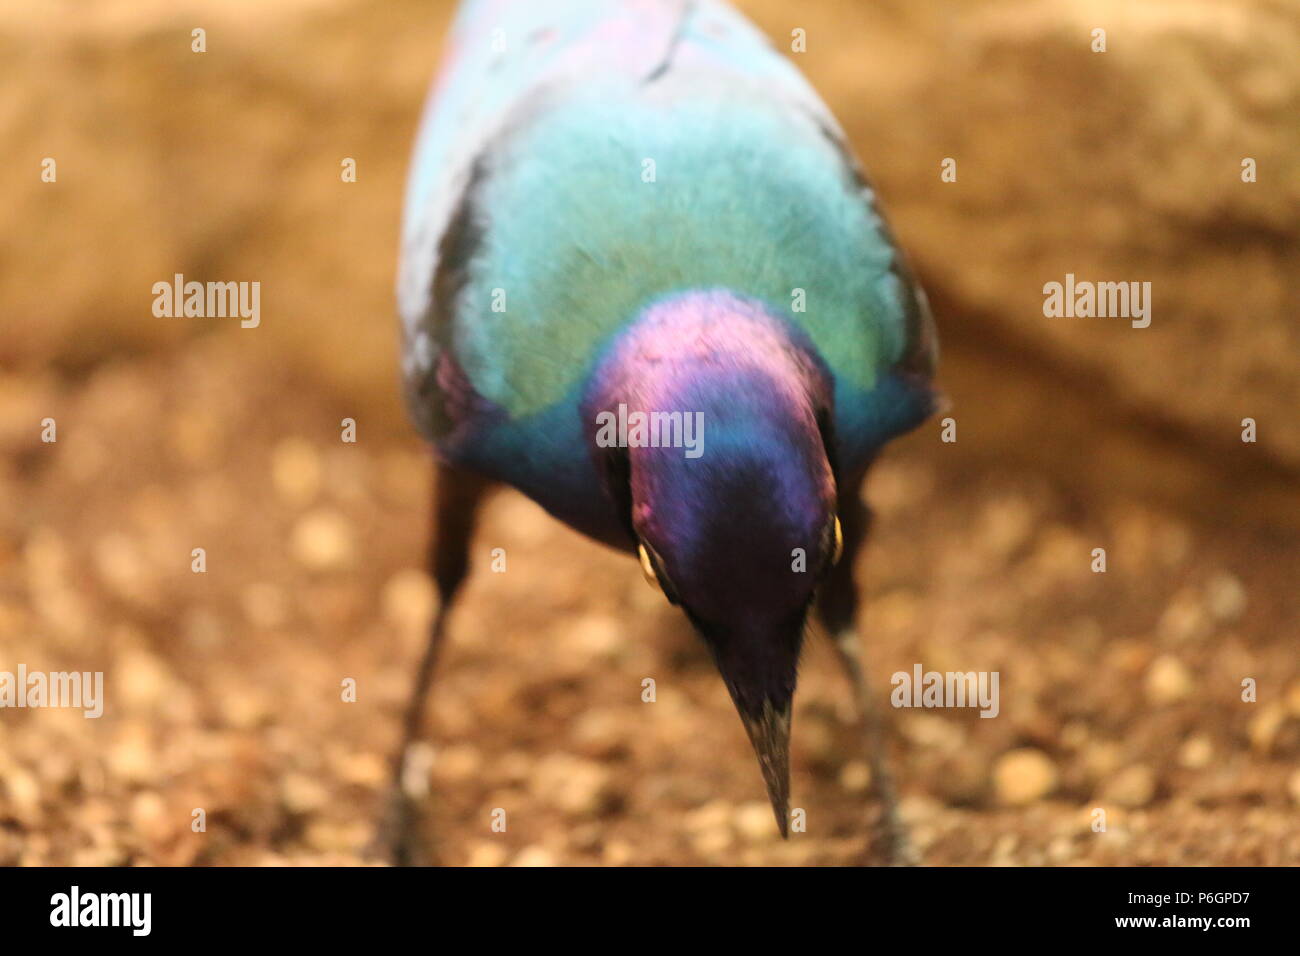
<point>623,207</point>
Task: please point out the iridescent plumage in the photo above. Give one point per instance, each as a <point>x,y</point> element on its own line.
<point>644,203</point>
<point>527,195</point>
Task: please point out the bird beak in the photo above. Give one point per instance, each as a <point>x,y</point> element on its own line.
<point>769,732</point>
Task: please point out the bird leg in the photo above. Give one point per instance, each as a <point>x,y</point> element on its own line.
<point>899,848</point>
<point>455,501</point>
<point>837,605</point>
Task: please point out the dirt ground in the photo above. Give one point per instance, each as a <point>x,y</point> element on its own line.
<point>224,690</point>
<point>1119,690</point>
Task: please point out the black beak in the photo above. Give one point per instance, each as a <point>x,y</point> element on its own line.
<point>769,732</point>
<point>758,667</point>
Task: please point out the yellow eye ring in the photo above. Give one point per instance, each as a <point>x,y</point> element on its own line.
<point>648,569</point>
<point>839,542</point>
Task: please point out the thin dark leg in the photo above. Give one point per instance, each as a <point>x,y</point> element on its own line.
<point>456,496</point>
<point>837,603</point>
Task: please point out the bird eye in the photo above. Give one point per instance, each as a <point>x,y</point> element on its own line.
<point>654,574</point>
<point>647,568</point>
<point>832,547</point>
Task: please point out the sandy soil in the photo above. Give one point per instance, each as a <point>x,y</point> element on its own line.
<point>1119,690</point>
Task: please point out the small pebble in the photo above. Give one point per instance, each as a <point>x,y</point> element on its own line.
<point>1168,680</point>
<point>302,794</point>
<point>855,777</point>
<point>1132,787</point>
<point>754,821</point>
<point>1226,597</point>
<point>1196,753</point>
<point>488,853</point>
<point>322,540</point>
<point>1023,776</point>
<point>577,786</point>
<point>534,856</point>
<point>409,599</point>
<point>1264,726</point>
<point>296,471</point>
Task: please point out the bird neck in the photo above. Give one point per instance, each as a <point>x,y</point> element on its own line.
<point>704,396</point>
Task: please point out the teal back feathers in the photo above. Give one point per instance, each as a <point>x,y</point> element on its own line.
<point>744,196</point>
<point>582,159</point>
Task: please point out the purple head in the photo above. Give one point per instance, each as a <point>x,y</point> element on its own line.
<point>708,418</point>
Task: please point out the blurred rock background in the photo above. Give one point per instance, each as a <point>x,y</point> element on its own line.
<point>1120,690</point>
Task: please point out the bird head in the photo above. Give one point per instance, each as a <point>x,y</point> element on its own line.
<point>738,534</point>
